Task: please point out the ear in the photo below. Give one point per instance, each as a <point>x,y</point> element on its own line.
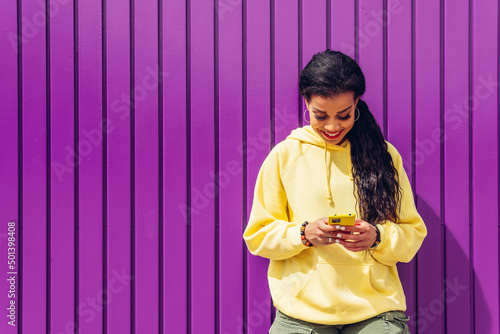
<point>356,103</point>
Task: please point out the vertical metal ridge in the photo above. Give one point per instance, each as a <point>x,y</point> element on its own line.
<point>328,25</point>
<point>273,74</point>
<point>244,133</point>
<point>414,132</point>
<point>132,165</point>
<point>385,121</point>
<point>273,84</point>
<point>301,55</point>
<point>48,160</point>
<point>442,154</point>
<point>104,167</point>
<point>20,159</point>
<point>498,144</point>
<point>413,98</point>
<point>498,120</point>
<point>77,167</point>
<point>471,167</point>
<point>356,30</point>
<point>216,167</point>
<point>188,164</point>
<point>160,169</point>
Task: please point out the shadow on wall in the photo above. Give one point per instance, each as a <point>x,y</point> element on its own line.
<point>452,303</point>
<point>454,300</point>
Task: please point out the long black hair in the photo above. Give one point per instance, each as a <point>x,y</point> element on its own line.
<point>376,184</point>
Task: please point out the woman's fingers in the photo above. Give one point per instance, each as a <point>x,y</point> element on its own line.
<point>354,238</point>
<point>348,236</point>
<point>319,232</point>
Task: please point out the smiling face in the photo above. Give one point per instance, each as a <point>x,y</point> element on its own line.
<point>332,117</point>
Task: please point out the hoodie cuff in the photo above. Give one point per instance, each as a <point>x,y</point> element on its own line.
<point>293,238</point>
<point>384,238</point>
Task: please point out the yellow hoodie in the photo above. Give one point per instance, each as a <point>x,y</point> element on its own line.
<point>305,179</point>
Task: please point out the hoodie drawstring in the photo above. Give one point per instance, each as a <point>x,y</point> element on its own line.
<point>328,190</point>
<point>307,134</point>
<point>327,170</point>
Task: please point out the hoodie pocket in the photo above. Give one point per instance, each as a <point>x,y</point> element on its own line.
<point>289,279</point>
<point>305,285</point>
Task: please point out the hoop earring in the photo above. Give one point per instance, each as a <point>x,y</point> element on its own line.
<point>359,113</point>
<point>307,121</point>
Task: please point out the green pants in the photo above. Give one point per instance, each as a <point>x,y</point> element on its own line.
<point>393,322</point>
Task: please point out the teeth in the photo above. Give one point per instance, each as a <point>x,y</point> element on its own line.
<point>333,134</point>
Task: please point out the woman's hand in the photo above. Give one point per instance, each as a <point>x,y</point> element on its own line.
<point>320,233</point>
<point>355,238</point>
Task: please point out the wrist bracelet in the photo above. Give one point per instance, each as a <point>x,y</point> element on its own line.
<point>377,240</point>
<point>303,234</point>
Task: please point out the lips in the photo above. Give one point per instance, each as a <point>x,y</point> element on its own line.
<point>334,135</point>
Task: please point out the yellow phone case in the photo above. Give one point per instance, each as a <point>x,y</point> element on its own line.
<point>346,219</point>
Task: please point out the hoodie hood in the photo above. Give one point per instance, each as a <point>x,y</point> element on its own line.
<point>306,134</point>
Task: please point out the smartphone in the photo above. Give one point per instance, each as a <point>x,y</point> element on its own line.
<point>346,219</point>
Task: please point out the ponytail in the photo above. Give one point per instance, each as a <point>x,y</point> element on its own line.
<point>376,185</point>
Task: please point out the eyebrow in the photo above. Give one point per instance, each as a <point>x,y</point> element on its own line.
<point>337,112</point>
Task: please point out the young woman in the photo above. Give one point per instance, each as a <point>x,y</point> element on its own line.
<point>325,278</point>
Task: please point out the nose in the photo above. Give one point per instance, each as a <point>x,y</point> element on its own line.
<point>332,125</point>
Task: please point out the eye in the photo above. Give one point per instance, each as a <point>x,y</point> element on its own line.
<point>319,118</point>
<point>345,117</point>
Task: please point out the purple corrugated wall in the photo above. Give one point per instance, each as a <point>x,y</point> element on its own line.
<point>133,133</point>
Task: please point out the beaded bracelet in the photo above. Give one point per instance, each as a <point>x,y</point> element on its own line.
<point>377,240</point>
<point>303,234</point>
